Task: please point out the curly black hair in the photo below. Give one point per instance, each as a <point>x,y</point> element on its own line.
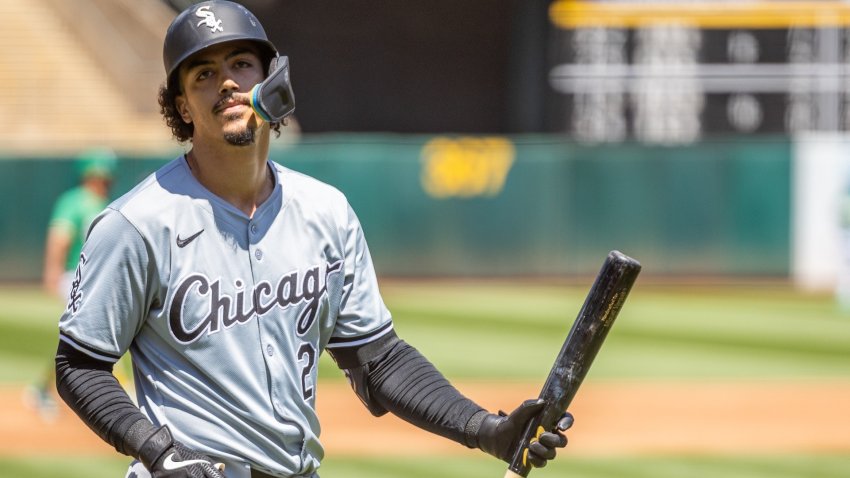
<point>182,131</point>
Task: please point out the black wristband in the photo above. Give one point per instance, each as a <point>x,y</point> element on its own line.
<point>136,436</point>
<point>472,428</point>
<point>155,446</point>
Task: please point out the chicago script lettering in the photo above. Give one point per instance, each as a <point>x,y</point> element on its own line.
<point>225,311</point>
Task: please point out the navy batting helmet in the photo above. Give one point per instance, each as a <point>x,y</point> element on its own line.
<point>208,23</point>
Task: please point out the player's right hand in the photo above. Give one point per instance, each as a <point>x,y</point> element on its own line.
<point>166,458</point>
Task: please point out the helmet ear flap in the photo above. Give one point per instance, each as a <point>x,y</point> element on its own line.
<point>273,99</point>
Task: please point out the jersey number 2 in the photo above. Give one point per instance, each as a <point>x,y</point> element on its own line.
<point>307,353</point>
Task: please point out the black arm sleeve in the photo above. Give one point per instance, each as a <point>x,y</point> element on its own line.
<point>88,386</point>
<point>402,381</point>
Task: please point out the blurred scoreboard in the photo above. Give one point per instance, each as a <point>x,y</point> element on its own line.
<point>677,72</point>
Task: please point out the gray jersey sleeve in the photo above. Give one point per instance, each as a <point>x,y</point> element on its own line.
<point>109,296</point>
<point>363,317</point>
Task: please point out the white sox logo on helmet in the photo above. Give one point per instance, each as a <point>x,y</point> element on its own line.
<point>225,312</point>
<point>209,19</point>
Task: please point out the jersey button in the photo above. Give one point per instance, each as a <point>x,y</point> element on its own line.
<point>269,350</point>
<point>253,228</point>
<point>258,254</point>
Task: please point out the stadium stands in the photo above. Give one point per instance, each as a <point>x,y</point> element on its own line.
<point>78,72</point>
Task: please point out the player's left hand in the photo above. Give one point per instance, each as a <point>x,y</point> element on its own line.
<point>499,432</point>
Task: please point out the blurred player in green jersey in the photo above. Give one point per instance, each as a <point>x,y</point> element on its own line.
<point>72,214</point>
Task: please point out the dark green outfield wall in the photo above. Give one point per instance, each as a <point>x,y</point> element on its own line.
<point>502,206</point>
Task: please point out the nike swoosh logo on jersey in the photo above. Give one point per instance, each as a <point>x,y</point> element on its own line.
<point>170,464</point>
<point>185,242</point>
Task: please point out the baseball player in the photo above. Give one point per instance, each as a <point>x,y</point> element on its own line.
<point>72,213</point>
<point>226,275</point>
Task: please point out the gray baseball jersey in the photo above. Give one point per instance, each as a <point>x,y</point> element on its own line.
<point>225,316</point>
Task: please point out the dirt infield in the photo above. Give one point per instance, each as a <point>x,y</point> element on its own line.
<point>611,418</point>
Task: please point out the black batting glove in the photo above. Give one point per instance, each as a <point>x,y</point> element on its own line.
<point>166,458</point>
<point>498,432</point>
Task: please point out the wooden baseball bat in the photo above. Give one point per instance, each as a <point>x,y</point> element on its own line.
<point>603,303</point>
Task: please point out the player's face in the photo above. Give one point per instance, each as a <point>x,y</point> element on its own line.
<point>208,79</point>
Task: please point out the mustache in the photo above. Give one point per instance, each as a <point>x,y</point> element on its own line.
<point>228,100</point>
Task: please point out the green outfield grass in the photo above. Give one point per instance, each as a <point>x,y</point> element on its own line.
<point>802,466</point>
<point>501,330</point>
<point>514,331</point>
